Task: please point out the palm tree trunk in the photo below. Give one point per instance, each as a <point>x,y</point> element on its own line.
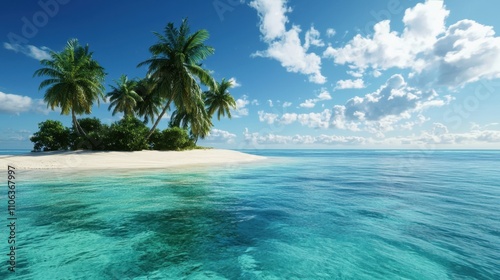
<point>81,132</point>
<point>158,120</point>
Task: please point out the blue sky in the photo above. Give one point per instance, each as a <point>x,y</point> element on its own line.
<point>308,74</point>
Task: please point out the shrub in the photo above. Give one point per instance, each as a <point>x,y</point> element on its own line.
<point>174,138</point>
<point>96,132</point>
<point>128,134</point>
<point>51,136</point>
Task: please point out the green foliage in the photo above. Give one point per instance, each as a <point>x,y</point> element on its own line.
<point>220,100</point>
<point>123,96</point>
<point>74,81</point>
<point>96,134</point>
<point>173,139</point>
<point>51,136</point>
<point>176,67</point>
<point>128,134</point>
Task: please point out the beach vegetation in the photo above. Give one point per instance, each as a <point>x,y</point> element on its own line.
<point>176,66</point>
<point>174,139</point>
<point>176,80</point>
<point>51,136</point>
<point>74,81</point>
<point>127,134</point>
<point>123,96</point>
<point>96,135</point>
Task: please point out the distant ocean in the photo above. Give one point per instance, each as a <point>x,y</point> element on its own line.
<point>4,152</point>
<point>303,214</point>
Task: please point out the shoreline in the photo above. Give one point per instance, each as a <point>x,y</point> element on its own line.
<point>88,160</point>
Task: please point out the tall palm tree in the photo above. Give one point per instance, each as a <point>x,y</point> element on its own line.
<point>74,81</point>
<point>152,102</point>
<point>176,66</point>
<point>124,97</point>
<point>198,121</point>
<point>220,100</point>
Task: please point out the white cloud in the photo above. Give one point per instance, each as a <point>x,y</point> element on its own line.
<point>313,38</point>
<point>288,118</point>
<point>468,52</point>
<point>381,110</point>
<point>316,120</point>
<point>234,82</point>
<point>437,137</point>
<point>386,49</point>
<point>270,102</point>
<point>241,109</point>
<point>322,96</point>
<point>350,84</point>
<point>285,45</point>
<point>29,50</point>
<point>452,56</point>
<point>268,118</point>
<point>274,139</point>
<point>255,102</point>
<point>272,17</point>
<point>330,32</point>
<point>220,136</point>
<point>309,103</point>
<point>287,104</point>
<point>14,104</point>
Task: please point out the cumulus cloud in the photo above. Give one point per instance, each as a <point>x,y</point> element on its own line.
<point>273,139</point>
<point>268,118</point>
<point>272,17</point>
<point>14,104</point>
<point>285,45</point>
<point>380,110</point>
<point>322,96</point>
<point>241,107</point>
<point>313,38</point>
<point>330,32</point>
<point>234,82</point>
<point>287,104</point>
<point>350,84</point>
<point>220,136</point>
<point>438,136</point>
<point>270,102</point>
<point>308,103</point>
<point>29,50</point>
<point>319,120</point>
<point>452,56</point>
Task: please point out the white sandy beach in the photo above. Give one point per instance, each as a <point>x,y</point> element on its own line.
<point>124,160</point>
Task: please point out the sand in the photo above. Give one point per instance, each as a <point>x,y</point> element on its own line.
<point>125,160</point>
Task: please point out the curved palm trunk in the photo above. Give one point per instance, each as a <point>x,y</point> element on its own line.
<point>158,120</point>
<point>81,132</point>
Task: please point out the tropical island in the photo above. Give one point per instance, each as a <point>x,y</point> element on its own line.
<point>175,78</point>
<point>74,84</point>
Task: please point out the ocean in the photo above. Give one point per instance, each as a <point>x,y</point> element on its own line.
<point>301,214</point>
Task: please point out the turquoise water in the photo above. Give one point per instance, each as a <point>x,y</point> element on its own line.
<point>301,215</point>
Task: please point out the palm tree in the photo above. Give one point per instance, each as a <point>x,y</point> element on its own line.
<point>197,121</point>
<point>152,102</point>
<point>74,81</point>
<point>123,96</point>
<point>176,66</point>
<point>220,100</point>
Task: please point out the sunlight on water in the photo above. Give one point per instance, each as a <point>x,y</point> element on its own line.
<point>308,215</point>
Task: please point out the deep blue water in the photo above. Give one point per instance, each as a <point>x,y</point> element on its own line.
<point>310,214</point>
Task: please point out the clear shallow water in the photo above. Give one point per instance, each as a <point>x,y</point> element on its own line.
<point>304,215</point>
